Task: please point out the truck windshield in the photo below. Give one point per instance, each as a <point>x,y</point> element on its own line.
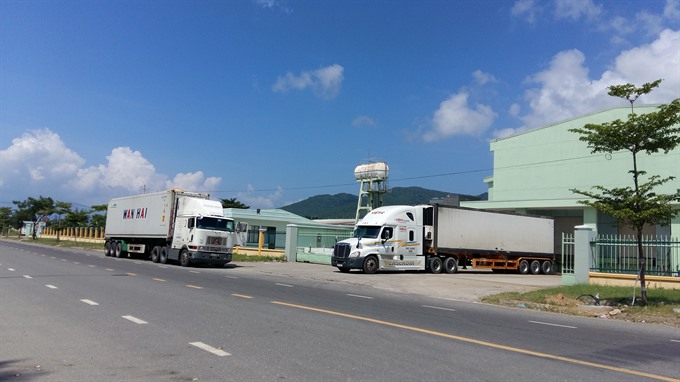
<point>206,222</point>
<point>367,231</point>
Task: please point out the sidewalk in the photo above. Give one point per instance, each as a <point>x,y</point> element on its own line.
<point>466,285</point>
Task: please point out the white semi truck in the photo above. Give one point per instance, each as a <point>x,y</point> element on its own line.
<point>439,238</point>
<point>171,225</point>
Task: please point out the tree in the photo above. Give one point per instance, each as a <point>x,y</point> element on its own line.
<point>651,133</point>
<point>233,203</point>
<point>5,220</point>
<point>97,219</point>
<point>34,210</point>
<point>60,209</point>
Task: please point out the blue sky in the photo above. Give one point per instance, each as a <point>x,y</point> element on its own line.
<point>273,101</point>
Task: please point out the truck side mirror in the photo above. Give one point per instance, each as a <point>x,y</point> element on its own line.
<point>386,234</point>
<point>190,223</point>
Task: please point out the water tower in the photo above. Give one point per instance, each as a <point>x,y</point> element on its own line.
<point>373,180</point>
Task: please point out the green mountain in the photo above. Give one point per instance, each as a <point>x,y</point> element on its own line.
<point>344,206</point>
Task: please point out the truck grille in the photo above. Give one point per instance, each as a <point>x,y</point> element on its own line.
<point>214,240</point>
<point>341,250</point>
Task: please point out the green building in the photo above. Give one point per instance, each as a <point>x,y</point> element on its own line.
<point>535,170</point>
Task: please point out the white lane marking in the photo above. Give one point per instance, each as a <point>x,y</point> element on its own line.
<point>675,340</point>
<point>194,286</point>
<point>210,349</point>
<point>549,324</point>
<point>231,277</point>
<point>438,308</point>
<point>194,272</point>
<point>284,285</point>
<point>359,296</point>
<point>163,266</point>
<point>75,262</point>
<point>92,266</point>
<point>51,286</point>
<point>90,302</point>
<point>135,320</point>
<point>64,260</point>
<point>27,277</point>
<point>157,279</point>
<point>11,269</point>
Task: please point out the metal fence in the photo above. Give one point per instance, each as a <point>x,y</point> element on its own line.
<point>315,244</point>
<point>619,254</point>
<point>567,264</point>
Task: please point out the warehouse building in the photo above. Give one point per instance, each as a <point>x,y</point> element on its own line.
<point>535,171</point>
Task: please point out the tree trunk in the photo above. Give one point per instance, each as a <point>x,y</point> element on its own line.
<point>642,265</point>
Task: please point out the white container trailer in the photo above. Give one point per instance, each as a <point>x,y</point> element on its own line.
<point>486,231</point>
<point>170,225</point>
<point>440,238</point>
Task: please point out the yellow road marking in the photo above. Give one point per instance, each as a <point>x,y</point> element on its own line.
<point>483,343</point>
<point>194,286</point>
<point>241,295</point>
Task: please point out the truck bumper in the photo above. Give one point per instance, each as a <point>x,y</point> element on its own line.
<point>351,263</point>
<point>200,257</point>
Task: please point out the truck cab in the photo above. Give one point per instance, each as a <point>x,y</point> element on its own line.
<point>387,238</point>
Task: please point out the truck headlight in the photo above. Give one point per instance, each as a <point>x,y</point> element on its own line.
<point>355,254</point>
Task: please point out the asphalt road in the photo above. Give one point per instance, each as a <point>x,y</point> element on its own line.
<point>74,315</point>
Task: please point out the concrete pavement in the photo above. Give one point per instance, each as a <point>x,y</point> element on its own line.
<point>466,285</point>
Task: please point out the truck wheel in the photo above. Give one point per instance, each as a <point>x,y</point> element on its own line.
<point>450,265</point>
<point>155,254</point>
<point>536,267</point>
<point>371,265</point>
<point>523,267</point>
<point>184,259</point>
<point>118,249</point>
<point>546,267</point>
<point>436,265</point>
<point>107,248</point>
<point>163,254</point>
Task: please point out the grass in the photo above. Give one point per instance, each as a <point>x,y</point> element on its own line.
<point>661,307</point>
<point>254,258</point>
<point>62,243</point>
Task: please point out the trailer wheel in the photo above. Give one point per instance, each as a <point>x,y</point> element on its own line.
<point>118,249</point>
<point>547,267</point>
<point>536,267</point>
<point>184,259</point>
<point>523,267</point>
<point>155,254</point>
<point>436,265</point>
<point>371,265</point>
<point>450,265</point>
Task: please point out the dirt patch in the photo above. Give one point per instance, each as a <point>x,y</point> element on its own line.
<point>592,306</point>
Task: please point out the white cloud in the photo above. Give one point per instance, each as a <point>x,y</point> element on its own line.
<point>482,78</point>
<point>325,82</point>
<point>672,10</point>
<point>456,117</point>
<point>274,5</point>
<point>364,120</point>
<point>37,156</point>
<point>526,9</point>
<point>575,9</point>
<point>565,89</point>
<point>251,198</point>
<point>39,162</point>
